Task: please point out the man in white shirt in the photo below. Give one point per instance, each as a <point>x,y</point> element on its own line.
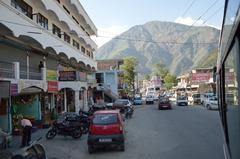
<point>27,131</point>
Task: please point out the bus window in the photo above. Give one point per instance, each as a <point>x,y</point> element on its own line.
<point>231,73</point>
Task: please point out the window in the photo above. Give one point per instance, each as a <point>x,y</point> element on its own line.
<point>66,38</point>
<point>42,21</point>
<point>83,49</point>
<point>75,19</point>
<point>105,119</point>
<point>91,55</point>
<point>88,53</point>
<point>75,44</point>
<point>82,28</point>
<point>22,7</point>
<point>66,9</point>
<point>231,75</point>
<point>56,30</point>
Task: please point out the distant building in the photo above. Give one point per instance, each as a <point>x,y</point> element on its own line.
<point>111,64</point>
<point>108,79</point>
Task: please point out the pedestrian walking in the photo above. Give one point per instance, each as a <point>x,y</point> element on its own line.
<point>27,131</point>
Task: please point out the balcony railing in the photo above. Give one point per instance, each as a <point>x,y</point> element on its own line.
<point>91,80</point>
<point>6,70</point>
<point>32,73</point>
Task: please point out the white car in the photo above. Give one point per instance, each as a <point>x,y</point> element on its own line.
<point>205,97</point>
<point>211,103</point>
<point>182,101</point>
<point>150,99</point>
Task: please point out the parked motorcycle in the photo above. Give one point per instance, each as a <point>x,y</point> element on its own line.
<point>65,128</point>
<point>85,120</point>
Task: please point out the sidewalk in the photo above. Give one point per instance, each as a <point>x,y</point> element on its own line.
<point>16,143</point>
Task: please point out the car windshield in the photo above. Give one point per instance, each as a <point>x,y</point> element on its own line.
<point>182,98</point>
<point>196,95</point>
<point>163,100</point>
<point>121,101</point>
<point>105,119</point>
<point>137,98</point>
<point>213,98</point>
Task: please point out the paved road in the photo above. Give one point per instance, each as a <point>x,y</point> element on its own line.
<point>182,133</point>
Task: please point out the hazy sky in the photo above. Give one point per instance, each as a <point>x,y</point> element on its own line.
<point>113,17</point>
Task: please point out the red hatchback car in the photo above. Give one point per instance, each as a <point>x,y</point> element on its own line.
<point>106,129</point>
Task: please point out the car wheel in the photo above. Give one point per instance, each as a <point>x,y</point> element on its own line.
<point>91,149</point>
<point>122,147</point>
<point>208,107</point>
<point>51,134</point>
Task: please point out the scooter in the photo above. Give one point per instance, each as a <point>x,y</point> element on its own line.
<point>129,112</point>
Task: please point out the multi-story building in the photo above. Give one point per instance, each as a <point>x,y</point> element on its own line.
<point>46,59</point>
<point>108,77</point>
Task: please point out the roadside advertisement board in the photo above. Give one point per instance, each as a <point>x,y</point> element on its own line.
<point>52,86</point>
<point>83,76</point>
<point>229,77</point>
<point>201,77</point>
<point>67,75</point>
<point>52,75</point>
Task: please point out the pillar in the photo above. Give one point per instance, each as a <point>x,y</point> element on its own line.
<point>28,64</point>
<point>65,100</point>
<point>77,101</point>
<point>85,104</point>
<point>44,73</point>
<point>16,70</point>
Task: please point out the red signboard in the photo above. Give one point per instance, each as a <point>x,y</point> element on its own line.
<point>229,77</point>
<point>52,86</point>
<point>201,77</point>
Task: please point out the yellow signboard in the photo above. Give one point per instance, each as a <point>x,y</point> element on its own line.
<point>52,75</point>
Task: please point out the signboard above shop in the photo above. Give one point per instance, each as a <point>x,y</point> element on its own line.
<point>52,86</point>
<point>200,77</point>
<point>52,75</point>
<point>67,76</point>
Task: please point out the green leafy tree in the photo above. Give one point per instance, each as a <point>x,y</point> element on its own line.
<point>147,77</point>
<point>160,70</point>
<point>129,67</point>
<point>170,81</point>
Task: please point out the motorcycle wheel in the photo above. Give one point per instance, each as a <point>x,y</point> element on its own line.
<point>51,134</point>
<point>84,130</point>
<point>77,133</point>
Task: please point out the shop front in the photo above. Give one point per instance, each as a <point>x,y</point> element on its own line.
<point>50,105</point>
<point>28,104</point>
<point>5,106</point>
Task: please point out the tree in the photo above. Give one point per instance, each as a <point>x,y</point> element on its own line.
<point>147,77</point>
<point>129,67</point>
<point>160,70</point>
<point>170,81</point>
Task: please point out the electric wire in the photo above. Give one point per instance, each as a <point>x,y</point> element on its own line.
<point>188,8</point>
<point>116,38</point>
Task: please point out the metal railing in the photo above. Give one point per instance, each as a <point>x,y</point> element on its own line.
<point>91,81</point>
<point>6,70</point>
<point>32,73</point>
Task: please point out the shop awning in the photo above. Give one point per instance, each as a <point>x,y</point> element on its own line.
<point>31,90</point>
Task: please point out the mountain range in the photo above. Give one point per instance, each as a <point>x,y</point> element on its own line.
<point>179,47</point>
